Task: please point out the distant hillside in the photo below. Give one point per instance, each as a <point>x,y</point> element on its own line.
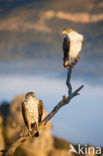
<point>31,30</point>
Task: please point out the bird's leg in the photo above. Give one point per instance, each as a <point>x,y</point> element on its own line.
<point>36,126</point>
<point>36,129</point>
<point>30,133</point>
<point>30,129</point>
<point>75,61</point>
<point>69,63</point>
<point>70,60</point>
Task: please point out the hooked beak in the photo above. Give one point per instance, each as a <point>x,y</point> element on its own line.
<point>63,32</point>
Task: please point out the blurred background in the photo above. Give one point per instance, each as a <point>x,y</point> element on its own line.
<point>31,60</point>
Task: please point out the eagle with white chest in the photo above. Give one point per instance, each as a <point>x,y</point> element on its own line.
<point>72,45</point>
<point>32,111</point>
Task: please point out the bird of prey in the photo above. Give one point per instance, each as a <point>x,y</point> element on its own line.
<point>32,111</point>
<point>72,45</point>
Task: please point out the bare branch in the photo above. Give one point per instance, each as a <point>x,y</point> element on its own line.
<point>62,103</point>
<point>68,80</point>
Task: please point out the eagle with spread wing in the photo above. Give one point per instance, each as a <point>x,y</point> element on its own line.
<point>72,45</point>
<point>32,111</point>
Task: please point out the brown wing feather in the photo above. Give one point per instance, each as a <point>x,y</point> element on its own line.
<point>40,109</point>
<point>24,114</point>
<point>66,47</point>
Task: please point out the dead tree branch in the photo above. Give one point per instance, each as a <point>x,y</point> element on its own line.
<point>68,83</point>
<point>63,102</point>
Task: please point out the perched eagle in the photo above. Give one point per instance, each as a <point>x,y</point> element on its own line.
<point>72,45</point>
<point>32,110</point>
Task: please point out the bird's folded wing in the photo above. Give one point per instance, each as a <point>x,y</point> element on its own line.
<point>24,113</point>
<point>40,110</point>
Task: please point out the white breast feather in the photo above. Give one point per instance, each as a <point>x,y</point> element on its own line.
<point>75,44</point>
<point>31,107</point>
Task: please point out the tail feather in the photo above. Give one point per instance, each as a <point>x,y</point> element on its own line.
<point>66,63</point>
<point>37,134</point>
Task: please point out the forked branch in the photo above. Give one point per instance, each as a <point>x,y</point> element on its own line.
<point>65,100</point>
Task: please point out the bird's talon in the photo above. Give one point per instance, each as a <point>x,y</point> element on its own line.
<point>72,65</point>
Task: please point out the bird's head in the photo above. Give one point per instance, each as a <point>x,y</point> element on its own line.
<point>67,31</point>
<point>30,95</point>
